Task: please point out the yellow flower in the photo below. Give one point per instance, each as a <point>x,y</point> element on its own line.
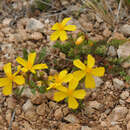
<point>6,82</point>
<point>88,71</point>
<point>70,93</point>
<point>61,29</point>
<point>79,40</point>
<point>56,80</point>
<point>29,65</point>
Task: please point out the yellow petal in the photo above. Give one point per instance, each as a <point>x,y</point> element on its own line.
<point>89,81</point>
<point>19,80</point>
<point>59,96</point>
<point>61,88</point>
<point>7,90</point>
<point>51,85</point>
<point>90,61</point>
<point>24,70</point>
<point>73,84</point>
<point>55,26</point>
<point>31,58</point>
<point>55,35</point>
<point>98,71</point>
<point>33,71</point>
<point>18,70</point>
<point>72,103</point>
<point>63,36</point>
<point>67,78</point>
<point>80,40</point>
<point>65,21</point>
<point>3,82</point>
<point>21,61</point>
<point>7,69</point>
<point>70,28</point>
<point>79,64</point>
<point>79,94</point>
<point>78,75</point>
<point>62,74</point>
<point>40,66</point>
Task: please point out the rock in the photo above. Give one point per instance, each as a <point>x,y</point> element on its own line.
<point>65,111</point>
<point>95,105</point>
<point>124,95</point>
<point>58,114</point>
<point>37,98</point>
<point>129,72</point>
<point>8,116</point>
<point>128,126</point>
<point>128,100</point>
<point>125,29</point>
<point>106,32</point>
<point>111,51</point>
<point>99,20</point>
<point>26,92</point>
<point>6,21</point>
<point>31,115</point>
<point>85,128</point>
<point>27,106</point>
<point>116,127</point>
<point>118,36</point>
<point>34,25</point>
<point>118,113</point>
<point>71,118</point>
<point>118,84</point>
<point>42,109</point>
<point>36,36</point>
<point>124,52</point>
<point>128,116</point>
<point>11,102</point>
<point>71,126</point>
<point>98,81</point>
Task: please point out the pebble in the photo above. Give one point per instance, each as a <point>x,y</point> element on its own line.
<point>71,118</point>
<point>125,29</point>
<point>118,84</point>
<point>58,114</point>
<point>8,115</point>
<point>27,92</point>
<point>98,81</point>
<point>95,105</point>
<point>70,126</point>
<point>34,25</point>
<point>27,106</point>
<point>37,99</point>
<point>41,109</point>
<point>111,51</point>
<point>124,95</point>
<point>36,36</point>
<point>128,126</point>
<point>11,102</point>
<point>116,127</point>
<point>85,128</point>
<point>106,32</point>
<point>118,36</point>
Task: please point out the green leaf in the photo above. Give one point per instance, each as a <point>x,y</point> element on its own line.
<point>42,54</point>
<point>33,90</point>
<point>25,54</point>
<point>42,89</point>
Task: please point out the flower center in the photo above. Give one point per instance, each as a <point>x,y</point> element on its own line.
<point>61,27</point>
<point>29,66</point>
<point>70,92</point>
<point>88,70</point>
<point>11,77</point>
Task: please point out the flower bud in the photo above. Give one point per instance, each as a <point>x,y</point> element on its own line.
<point>79,40</point>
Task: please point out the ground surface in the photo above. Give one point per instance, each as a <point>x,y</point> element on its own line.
<point>105,108</point>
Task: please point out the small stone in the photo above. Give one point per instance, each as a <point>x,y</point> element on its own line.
<point>128,126</point>
<point>111,51</point>
<point>27,106</point>
<point>6,21</point>
<point>128,100</point>
<point>37,98</point>
<point>98,81</point>
<point>85,128</point>
<point>8,116</point>
<point>71,126</point>
<point>71,118</point>
<point>62,55</point>
<point>95,105</point>
<point>129,72</point>
<point>115,128</point>
<point>128,116</point>
<point>106,32</point>
<point>58,114</point>
<point>99,19</point>
<point>118,113</point>
<point>124,95</point>
<point>118,36</point>
<point>34,25</point>
<point>41,109</point>
<point>26,92</point>
<point>11,102</point>
<point>36,36</point>
<point>65,111</point>
<point>118,84</point>
<point>125,29</point>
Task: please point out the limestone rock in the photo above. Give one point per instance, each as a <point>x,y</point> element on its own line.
<point>124,95</point>
<point>27,106</point>
<point>71,118</point>
<point>118,84</point>
<point>125,29</point>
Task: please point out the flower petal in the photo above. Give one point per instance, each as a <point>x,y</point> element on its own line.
<point>31,58</point>
<point>63,36</point>
<point>70,28</point>
<point>7,90</point>
<point>67,78</point>
<point>89,81</point>
<point>3,82</point>
<point>61,88</point>
<point>62,74</point>
<point>90,61</point>
<point>79,64</point>
<point>78,75</point>
<point>55,26</point>
<point>65,21</point>
<point>73,84</point>
<point>40,66</point>
<point>79,94</point>
<point>72,103</point>
<point>7,69</point>
<point>59,96</point>
<point>55,35</point>
<point>19,80</point>
<point>24,70</point>
<point>21,61</point>
<point>99,71</point>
